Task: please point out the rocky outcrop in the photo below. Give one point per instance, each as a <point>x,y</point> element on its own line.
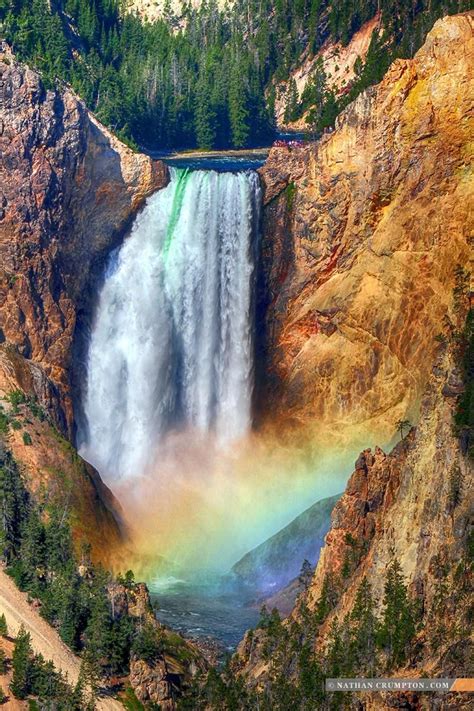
<point>400,506</point>
<point>151,683</point>
<point>362,233</point>
<point>68,190</point>
<point>165,675</point>
<point>339,63</point>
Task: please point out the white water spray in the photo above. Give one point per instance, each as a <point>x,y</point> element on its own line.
<point>172,342</point>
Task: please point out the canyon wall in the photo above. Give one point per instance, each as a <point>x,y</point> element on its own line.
<point>402,506</point>
<point>380,213</point>
<point>362,234</point>
<point>68,190</point>
<point>51,468</point>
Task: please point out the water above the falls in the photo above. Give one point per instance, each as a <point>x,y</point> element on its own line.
<point>172,345</point>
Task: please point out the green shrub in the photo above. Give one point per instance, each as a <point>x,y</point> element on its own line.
<point>4,424</point>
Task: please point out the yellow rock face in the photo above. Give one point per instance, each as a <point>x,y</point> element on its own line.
<point>380,214</point>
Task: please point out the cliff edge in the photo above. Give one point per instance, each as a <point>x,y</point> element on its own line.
<point>363,231</point>
<point>68,191</point>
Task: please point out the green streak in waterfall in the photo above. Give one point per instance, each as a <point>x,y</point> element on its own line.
<point>176,209</point>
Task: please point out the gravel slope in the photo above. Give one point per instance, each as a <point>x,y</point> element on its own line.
<point>44,639</point>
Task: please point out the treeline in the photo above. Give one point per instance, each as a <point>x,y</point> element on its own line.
<point>151,83</point>
<point>209,78</point>
<point>404,25</point>
<point>372,639</point>
<point>76,597</point>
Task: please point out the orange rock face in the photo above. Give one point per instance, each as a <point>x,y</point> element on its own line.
<point>380,219</point>
<point>51,468</point>
<point>68,189</point>
<point>362,233</point>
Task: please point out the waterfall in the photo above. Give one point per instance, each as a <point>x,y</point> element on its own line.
<point>172,340</point>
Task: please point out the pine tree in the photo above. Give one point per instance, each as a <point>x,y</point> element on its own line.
<point>58,539</point>
<point>238,111</point>
<point>364,626</point>
<point>306,574</point>
<point>3,626</point>
<point>398,625</point>
<point>402,426</point>
<point>87,685</point>
<point>314,96</point>
<point>13,508</point>
<point>22,665</point>
<point>327,600</point>
<point>3,662</point>
<point>292,100</point>
<point>337,659</point>
<point>204,115</point>
<point>33,552</point>
<point>98,633</point>
<point>311,678</point>
<point>69,610</point>
<point>329,111</point>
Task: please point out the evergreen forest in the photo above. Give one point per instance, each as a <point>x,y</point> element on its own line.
<point>208,78</point>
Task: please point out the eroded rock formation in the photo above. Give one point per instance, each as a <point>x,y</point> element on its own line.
<point>380,218</point>
<point>68,190</point>
<point>164,676</point>
<point>362,234</point>
<point>398,506</point>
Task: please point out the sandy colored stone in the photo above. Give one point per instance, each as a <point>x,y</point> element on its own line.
<point>387,199</point>
<point>362,233</point>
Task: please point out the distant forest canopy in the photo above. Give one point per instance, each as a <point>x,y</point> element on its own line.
<point>208,79</point>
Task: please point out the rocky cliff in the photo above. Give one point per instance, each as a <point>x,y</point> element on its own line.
<point>68,190</point>
<point>414,506</point>
<point>379,218</point>
<point>362,234</point>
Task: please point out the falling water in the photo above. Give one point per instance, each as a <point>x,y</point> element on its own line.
<point>172,341</point>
